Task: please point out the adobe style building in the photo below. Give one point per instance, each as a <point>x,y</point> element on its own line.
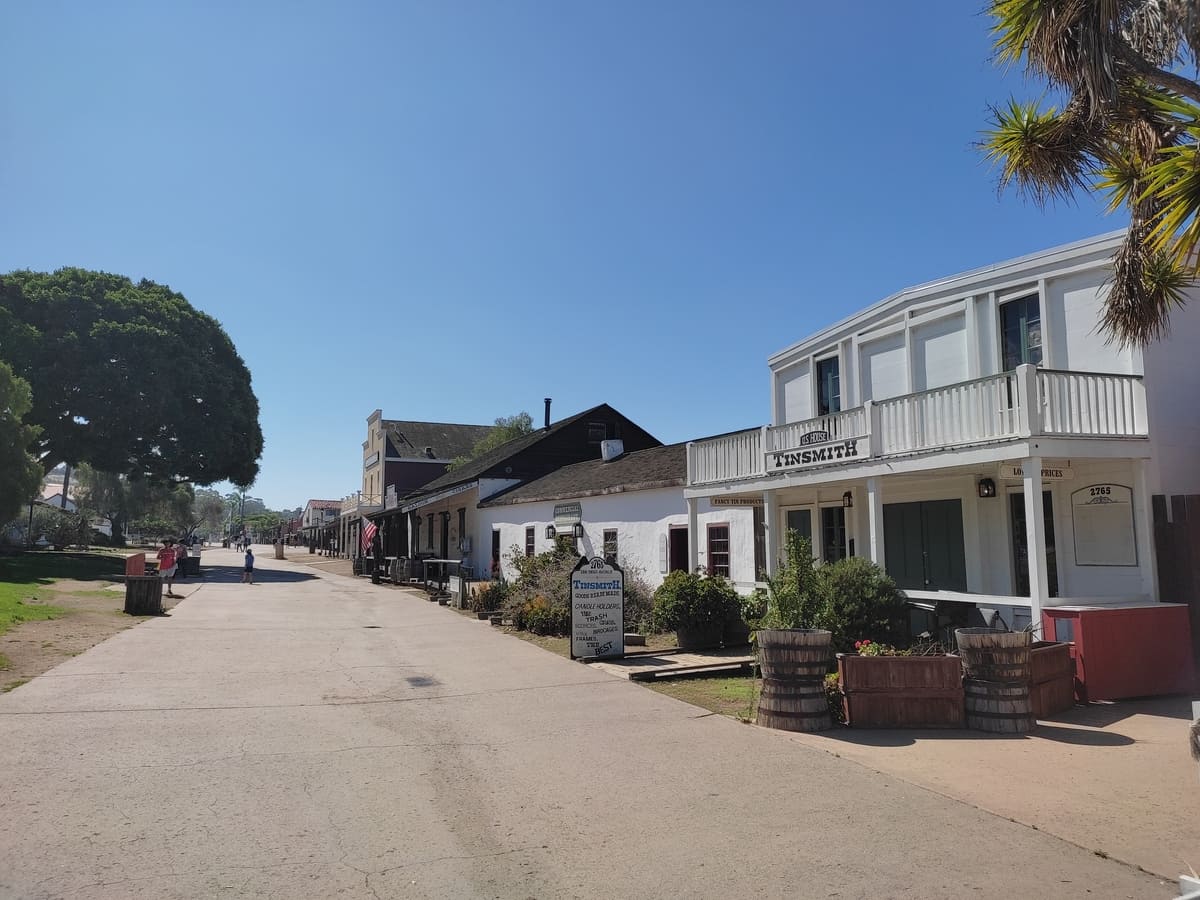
<point>978,438</point>
<point>629,509</point>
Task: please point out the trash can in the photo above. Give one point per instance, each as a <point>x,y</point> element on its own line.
<point>143,595</point>
<point>191,565</point>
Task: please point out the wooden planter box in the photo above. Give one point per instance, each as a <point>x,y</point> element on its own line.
<point>1052,677</point>
<point>901,691</point>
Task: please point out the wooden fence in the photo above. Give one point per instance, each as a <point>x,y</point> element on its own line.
<point>1177,544</point>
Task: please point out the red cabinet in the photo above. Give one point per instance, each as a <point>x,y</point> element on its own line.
<point>1131,650</point>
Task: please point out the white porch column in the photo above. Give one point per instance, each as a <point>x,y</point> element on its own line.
<point>771,521</point>
<point>875,549</point>
<point>1143,530</point>
<point>1035,541</point>
<point>693,534</point>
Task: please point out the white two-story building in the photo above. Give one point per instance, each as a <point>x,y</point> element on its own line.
<point>923,431</point>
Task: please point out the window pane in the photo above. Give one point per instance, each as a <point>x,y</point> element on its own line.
<point>1021,332</point>
<point>718,550</point>
<point>833,533</point>
<point>529,542</point>
<point>610,546</point>
<point>829,390</point>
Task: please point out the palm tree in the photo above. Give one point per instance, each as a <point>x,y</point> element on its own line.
<point>1127,124</point>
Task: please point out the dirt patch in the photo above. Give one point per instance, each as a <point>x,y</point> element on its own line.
<point>94,612</point>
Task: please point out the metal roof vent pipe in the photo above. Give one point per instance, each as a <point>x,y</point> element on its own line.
<point>610,450</point>
<point>547,412</point>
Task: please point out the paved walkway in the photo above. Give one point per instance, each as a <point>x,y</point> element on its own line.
<point>317,736</point>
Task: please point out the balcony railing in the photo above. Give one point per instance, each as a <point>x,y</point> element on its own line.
<point>361,503</point>
<point>1021,404</point>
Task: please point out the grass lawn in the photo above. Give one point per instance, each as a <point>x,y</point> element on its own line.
<point>737,696</point>
<point>33,574</point>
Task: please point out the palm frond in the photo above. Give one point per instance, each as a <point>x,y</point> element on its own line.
<point>1145,286</point>
<point>1040,151</point>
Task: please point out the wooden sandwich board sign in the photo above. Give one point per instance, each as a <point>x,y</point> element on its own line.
<point>597,609</point>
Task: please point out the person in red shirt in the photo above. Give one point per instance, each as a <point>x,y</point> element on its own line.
<point>166,565</point>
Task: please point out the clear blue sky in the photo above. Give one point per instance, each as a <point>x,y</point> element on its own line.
<point>450,210</point>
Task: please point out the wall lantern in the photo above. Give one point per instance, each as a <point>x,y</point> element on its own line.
<point>848,500</point>
<point>987,487</point>
<point>550,532</point>
<point>577,529</point>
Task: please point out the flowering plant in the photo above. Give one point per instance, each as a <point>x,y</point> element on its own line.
<point>868,647</point>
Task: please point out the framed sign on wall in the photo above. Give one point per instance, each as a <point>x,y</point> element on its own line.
<point>1102,519</point>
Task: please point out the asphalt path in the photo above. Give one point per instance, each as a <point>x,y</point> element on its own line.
<point>316,736</point>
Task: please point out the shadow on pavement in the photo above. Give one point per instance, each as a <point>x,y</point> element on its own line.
<point>1101,713</point>
<point>233,575</point>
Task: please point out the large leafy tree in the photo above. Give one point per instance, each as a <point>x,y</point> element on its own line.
<point>20,473</point>
<point>1123,118</point>
<point>129,378</point>
<point>506,429</point>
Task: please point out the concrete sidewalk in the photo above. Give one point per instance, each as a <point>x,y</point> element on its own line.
<point>1115,778</point>
<point>314,735</point>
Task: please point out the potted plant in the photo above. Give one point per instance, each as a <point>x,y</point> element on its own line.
<point>793,655</point>
<point>694,607</point>
<point>883,687</point>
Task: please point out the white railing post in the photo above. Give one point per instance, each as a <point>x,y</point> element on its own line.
<point>688,457</point>
<point>765,447</point>
<point>873,423</point>
<point>1141,424</point>
<point>1029,413</point>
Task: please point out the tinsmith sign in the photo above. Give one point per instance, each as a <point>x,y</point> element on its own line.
<point>597,609</point>
<point>817,448</point>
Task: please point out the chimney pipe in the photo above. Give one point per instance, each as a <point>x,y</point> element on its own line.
<point>547,412</point>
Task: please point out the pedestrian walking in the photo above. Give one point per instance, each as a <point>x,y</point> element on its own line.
<point>166,565</point>
<point>181,555</point>
<point>248,572</point>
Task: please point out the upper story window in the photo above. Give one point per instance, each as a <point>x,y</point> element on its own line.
<point>610,546</point>
<point>1021,332</point>
<point>600,431</point>
<point>829,386</point>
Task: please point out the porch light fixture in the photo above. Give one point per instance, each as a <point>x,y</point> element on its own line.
<point>550,532</point>
<point>577,529</point>
<point>848,500</point>
<point>987,487</point>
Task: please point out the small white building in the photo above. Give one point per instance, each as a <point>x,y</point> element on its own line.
<point>919,431</point>
<point>629,509</point>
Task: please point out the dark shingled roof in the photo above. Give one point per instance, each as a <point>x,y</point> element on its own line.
<point>476,467</point>
<point>408,440</point>
<point>643,470</point>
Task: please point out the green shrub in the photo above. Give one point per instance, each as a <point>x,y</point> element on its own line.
<point>793,598</point>
<point>858,600</point>
<point>543,583</point>
<point>540,616</point>
<point>685,600</point>
<point>638,608</point>
<point>489,596</point>
<point>833,696</point>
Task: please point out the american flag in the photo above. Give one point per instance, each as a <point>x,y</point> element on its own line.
<point>368,534</point>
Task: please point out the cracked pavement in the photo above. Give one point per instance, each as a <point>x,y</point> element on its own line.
<point>314,736</point>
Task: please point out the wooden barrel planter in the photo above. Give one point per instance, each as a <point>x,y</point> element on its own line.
<point>143,595</point>
<point>1052,678</point>
<point>998,707</point>
<point>990,655</point>
<point>794,662</point>
<point>901,691</point>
